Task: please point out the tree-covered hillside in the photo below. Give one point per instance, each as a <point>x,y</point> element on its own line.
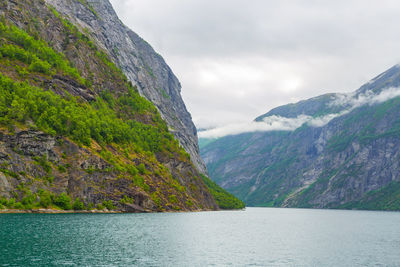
<point>74,132</point>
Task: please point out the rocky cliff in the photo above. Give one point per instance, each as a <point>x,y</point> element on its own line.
<point>141,64</point>
<point>345,155</point>
<point>74,132</point>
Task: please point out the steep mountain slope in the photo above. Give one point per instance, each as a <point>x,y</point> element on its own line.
<point>140,63</point>
<point>74,132</point>
<point>346,153</point>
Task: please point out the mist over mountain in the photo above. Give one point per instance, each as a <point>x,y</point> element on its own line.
<point>331,151</point>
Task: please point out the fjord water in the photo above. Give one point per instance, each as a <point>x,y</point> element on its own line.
<point>255,237</point>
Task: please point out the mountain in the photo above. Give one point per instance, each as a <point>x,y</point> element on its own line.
<point>342,152</point>
<point>144,67</point>
<point>79,130</point>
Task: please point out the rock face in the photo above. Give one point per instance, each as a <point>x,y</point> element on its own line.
<point>38,160</point>
<point>141,64</point>
<point>351,162</point>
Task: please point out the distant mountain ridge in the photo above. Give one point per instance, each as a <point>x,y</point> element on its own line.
<point>345,161</point>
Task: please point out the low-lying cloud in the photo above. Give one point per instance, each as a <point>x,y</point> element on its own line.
<point>271,123</point>
<point>348,102</point>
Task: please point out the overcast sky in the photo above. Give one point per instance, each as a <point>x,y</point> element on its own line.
<point>238,59</point>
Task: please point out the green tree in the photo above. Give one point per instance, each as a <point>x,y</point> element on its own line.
<point>78,205</point>
<point>63,201</point>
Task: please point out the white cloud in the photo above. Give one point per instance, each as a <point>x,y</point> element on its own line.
<point>354,100</point>
<point>323,120</point>
<point>271,123</point>
<point>277,123</point>
<point>237,60</point>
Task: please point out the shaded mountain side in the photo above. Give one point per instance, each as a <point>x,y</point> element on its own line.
<point>74,132</point>
<point>139,62</point>
<point>343,163</point>
<point>387,198</point>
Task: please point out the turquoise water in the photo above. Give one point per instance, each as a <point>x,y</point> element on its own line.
<point>255,237</point>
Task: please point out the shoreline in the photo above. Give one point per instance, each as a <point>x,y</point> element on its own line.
<point>95,211</point>
<point>55,211</point>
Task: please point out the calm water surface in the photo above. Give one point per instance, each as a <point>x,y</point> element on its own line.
<point>255,237</point>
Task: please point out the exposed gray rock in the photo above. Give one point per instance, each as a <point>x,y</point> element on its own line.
<point>142,65</point>
<point>33,143</point>
<point>5,187</point>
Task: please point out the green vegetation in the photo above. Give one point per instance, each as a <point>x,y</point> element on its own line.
<point>108,204</point>
<point>100,207</point>
<point>88,6</point>
<point>9,173</point>
<point>42,161</point>
<point>126,200</point>
<point>78,205</point>
<point>172,199</point>
<point>109,119</point>
<point>340,142</point>
<point>20,101</point>
<point>63,201</point>
<point>36,53</point>
<point>156,198</point>
<point>61,168</point>
<point>141,168</point>
<point>101,120</point>
<point>224,199</point>
<point>45,199</point>
<point>71,29</point>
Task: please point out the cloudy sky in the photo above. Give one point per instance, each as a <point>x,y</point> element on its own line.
<point>238,59</point>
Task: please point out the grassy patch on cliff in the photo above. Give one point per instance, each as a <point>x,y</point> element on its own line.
<point>17,44</point>
<point>224,199</point>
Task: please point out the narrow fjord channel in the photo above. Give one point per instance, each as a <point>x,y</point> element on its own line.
<point>254,237</point>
